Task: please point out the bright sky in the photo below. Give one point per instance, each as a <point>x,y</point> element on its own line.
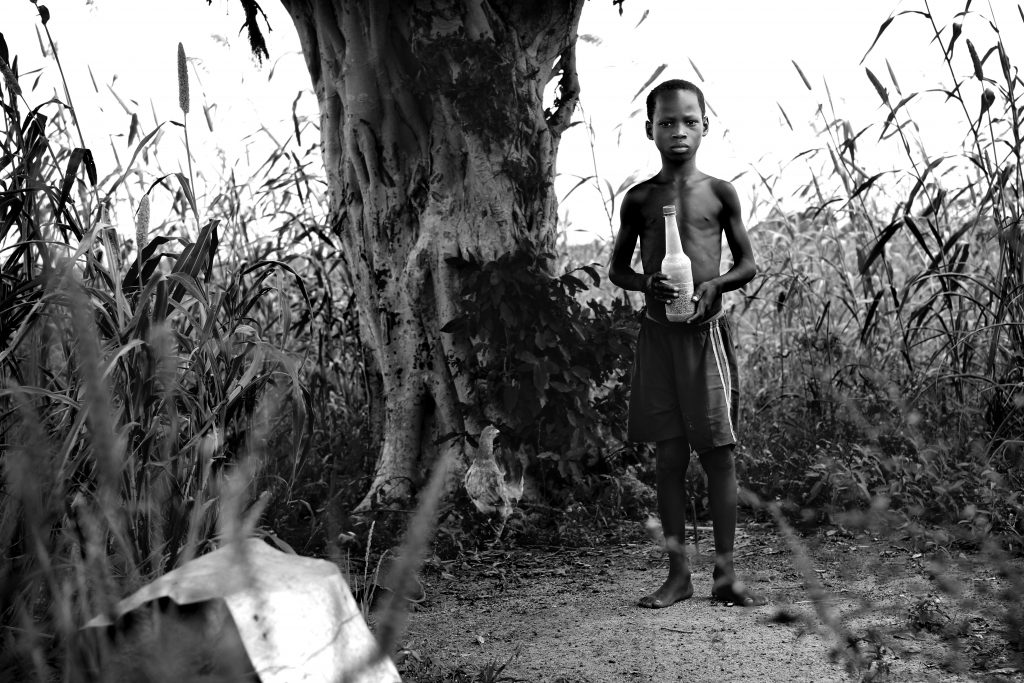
<point>744,50</point>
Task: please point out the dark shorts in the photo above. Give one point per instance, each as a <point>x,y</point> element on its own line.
<point>685,383</point>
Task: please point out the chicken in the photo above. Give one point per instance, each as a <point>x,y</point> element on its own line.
<point>486,484</point>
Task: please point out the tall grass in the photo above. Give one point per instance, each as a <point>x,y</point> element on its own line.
<point>887,314</point>
<point>135,378</point>
<point>883,343</point>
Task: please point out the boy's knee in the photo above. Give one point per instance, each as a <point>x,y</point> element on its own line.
<point>672,457</point>
<point>672,466</point>
<point>718,459</point>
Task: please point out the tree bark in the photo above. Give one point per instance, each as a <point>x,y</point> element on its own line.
<point>436,143</point>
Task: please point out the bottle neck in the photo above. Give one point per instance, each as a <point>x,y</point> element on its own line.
<point>673,245</point>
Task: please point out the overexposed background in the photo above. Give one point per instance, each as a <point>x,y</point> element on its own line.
<point>119,58</point>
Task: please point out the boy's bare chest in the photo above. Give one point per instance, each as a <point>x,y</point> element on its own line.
<point>696,216</point>
<point>697,207</point>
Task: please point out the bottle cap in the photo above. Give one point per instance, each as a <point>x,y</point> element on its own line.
<point>668,210</point>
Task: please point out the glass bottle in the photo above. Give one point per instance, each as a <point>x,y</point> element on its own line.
<point>676,265</point>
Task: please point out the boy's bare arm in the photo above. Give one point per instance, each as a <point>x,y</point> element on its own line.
<point>620,272</point>
<point>743,268</point>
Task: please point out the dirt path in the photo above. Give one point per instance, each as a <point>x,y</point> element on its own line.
<point>569,616</point>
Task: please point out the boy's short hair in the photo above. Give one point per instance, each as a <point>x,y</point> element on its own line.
<point>673,84</point>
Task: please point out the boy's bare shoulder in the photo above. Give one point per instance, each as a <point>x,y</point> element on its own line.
<point>724,190</point>
<point>639,192</point>
<point>637,197</point>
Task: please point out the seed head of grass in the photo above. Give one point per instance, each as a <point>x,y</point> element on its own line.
<point>182,79</point>
<point>142,224</point>
<point>9,78</point>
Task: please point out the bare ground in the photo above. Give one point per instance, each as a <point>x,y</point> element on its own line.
<point>555,615</point>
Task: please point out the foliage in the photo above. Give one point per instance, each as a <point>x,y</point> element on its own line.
<point>884,344</point>
<point>880,346</point>
<point>143,385</point>
<point>553,366</point>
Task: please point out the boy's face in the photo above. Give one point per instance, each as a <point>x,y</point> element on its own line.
<point>678,124</point>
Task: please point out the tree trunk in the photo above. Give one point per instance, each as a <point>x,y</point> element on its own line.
<point>436,143</point>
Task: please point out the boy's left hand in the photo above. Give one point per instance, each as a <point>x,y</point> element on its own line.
<point>704,296</point>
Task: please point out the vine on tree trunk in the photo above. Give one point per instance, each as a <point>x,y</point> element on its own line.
<point>549,369</point>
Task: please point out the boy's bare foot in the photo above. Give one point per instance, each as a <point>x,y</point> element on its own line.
<point>675,589</point>
<point>729,590</point>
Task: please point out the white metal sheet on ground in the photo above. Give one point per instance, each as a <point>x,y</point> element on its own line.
<point>296,615</point>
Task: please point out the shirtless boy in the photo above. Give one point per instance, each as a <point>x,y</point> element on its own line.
<point>684,383</point>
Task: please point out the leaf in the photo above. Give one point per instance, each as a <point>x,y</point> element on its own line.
<point>295,118</point>
<point>915,230</point>
<point>878,248</point>
<point>823,316</point>
<point>785,116</point>
<point>186,187</point>
<point>526,356</point>
<point>576,186</point>
<point>150,260</point>
<point>44,14</point>
<point>90,166</point>
<point>573,282</point>
<point>92,78</point>
<point>801,72</point>
<point>657,72</point>
<point>907,208</point>
<point>455,325</point>
<point>895,110</point>
<point>646,12</point>
<point>935,204</point>
<point>133,128</point>
<point>849,139</point>
<point>951,243</point>
<point>74,161</point>
<point>195,256</point>
<point>866,184</point>
<point>186,283</point>
<point>957,30</point>
<point>892,75</point>
<point>243,382</point>
<point>696,70</point>
<point>882,92</point>
<point>1004,62</point>
<point>881,30</point>
<point>979,73</point>
<point>627,183</point>
<point>866,329</point>
<point>142,144</point>
<point>611,193</point>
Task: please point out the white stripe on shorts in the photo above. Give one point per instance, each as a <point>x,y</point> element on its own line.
<point>722,362</point>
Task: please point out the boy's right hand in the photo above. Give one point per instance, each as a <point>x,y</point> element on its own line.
<point>659,287</point>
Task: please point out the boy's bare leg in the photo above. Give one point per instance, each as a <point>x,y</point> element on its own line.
<point>719,466</point>
<point>672,456</point>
